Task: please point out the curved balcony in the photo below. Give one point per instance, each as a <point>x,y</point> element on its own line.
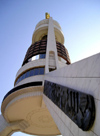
<point>46,21</point>
<point>42,29</point>
<point>40,48</point>
<point>29,75</point>
<point>30,65</point>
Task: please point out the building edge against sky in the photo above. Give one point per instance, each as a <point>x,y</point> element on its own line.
<point>24,106</point>
<point>47,53</point>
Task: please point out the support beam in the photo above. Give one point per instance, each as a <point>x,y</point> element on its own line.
<point>51,45</point>
<point>7,129</point>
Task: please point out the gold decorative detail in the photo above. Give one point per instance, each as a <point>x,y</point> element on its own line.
<point>47,15</point>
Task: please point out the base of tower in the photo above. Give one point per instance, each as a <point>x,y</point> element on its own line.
<point>27,104</point>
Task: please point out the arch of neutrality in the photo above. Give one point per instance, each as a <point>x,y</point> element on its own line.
<point>51,96</point>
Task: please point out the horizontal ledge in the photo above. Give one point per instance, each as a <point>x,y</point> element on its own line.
<point>23,86</point>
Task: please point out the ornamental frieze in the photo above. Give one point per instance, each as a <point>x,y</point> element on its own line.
<point>78,106</point>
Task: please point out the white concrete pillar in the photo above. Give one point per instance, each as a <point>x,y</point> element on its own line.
<point>7,129</point>
<point>51,45</point>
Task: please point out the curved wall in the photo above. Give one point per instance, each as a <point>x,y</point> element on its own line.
<point>30,65</point>
<point>40,48</point>
<point>30,79</point>
<point>35,49</point>
<point>29,73</point>
<point>62,52</point>
<point>46,21</point>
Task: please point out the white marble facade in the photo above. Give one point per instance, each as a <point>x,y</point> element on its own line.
<point>84,76</point>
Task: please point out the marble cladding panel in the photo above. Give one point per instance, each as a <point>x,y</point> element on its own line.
<point>96,126</point>
<point>84,76</point>
<point>64,124</point>
<point>85,85</point>
<point>88,67</point>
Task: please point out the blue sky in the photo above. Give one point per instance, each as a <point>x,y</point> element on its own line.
<point>79,19</point>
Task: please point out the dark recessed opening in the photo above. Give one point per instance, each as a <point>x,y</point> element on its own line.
<point>23,86</point>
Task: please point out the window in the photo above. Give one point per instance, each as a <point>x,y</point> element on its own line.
<point>27,74</point>
<point>41,71</point>
<point>33,58</point>
<point>23,76</point>
<point>42,56</point>
<point>20,78</point>
<point>37,56</point>
<point>32,72</point>
<point>17,80</point>
<point>36,71</point>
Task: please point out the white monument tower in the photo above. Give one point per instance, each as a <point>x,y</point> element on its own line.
<point>51,96</point>
<point>23,108</point>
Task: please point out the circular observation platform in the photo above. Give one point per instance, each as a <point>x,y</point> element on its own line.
<point>25,102</point>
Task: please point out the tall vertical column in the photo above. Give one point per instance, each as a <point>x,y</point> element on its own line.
<point>5,129</point>
<point>51,45</point>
